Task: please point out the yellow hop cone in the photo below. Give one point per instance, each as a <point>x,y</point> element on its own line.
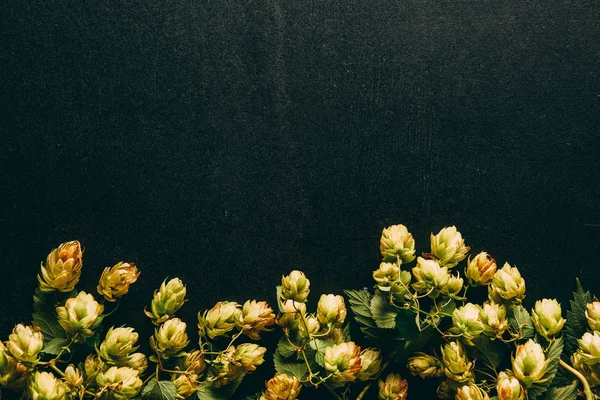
<point>389,277</point>
<point>466,321</point>
<point>589,348</point>
<point>115,281</point>
<point>255,317</point>
<point>25,343</point>
<point>119,383</point>
<point>458,367</point>
<point>167,300</point>
<point>547,318</point>
<point>227,368</point>
<point>282,387</point>
<point>45,386</point>
<point>397,243</point>
<point>12,373</point>
<point>292,312</point>
<point>471,392</point>
<point>219,320</point>
<point>425,366</point>
<point>393,388</point>
<point>118,344</point>
<point>507,286</point>
<point>430,277</point>
<point>448,247</point>
<point>73,376</point>
<point>331,310</point>
<point>295,286</point>
<point>91,367</point>
<point>481,269</point>
<point>249,356</point>
<point>193,362</point>
<point>493,316</point>
<point>592,314</point>
<point>453,286</point>
<point>186,384</point>
<point>529,363</point>
<point>370,363</point>
<point>509,388</point>
<point>343,362</point>
<point>170,338</point>
<point>80,316</point>
<point>62,269</point>
<point>136,361</point>
<point>312,324</point>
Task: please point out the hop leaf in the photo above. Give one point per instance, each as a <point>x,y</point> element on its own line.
<point>576,324</point>
<point>162,390</point>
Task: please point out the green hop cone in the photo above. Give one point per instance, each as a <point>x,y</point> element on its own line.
<point>425,366</point>
<point>392,388</point>
<point>453,286</point>
<point>429,277</point>
<point>370,363</point>
<point>389,277</point>
<point>331,310</point>
<point>80,316</point>
<point>91,367</point>
<point>170,338</point>
<point>466,321</point>
<point>312,324</point>
<point>448,247</point>
<point>547,318</point>
<point>529,363</point>
<point>226,368</point>
<point>136,361</point>
<point>493,316</point>
<point>186,384</point>
<point>256,317</point>
<point>167,300</point>
<point>13,374</point>
<point>193,362</point>
<point>219,320</point>
<point>295,286</point>
<point>118,344</point>
<point>592,314</point>
<point>119,383</point>
<point>73,376</point>
<point>282,387</point>
<point>45,386</point>
<point>62,269</point>
<point>249,356</point>
<point>458,367</point>
<point>397,243</point>
<point>509,387</point>
<point>25,343</point>
<point>115,281</point>
<point>507,286</point>
<point>291,316</point>
<point>589,348</point>
<point>343,362</point>
<point>471,392</point>
<point>590,372</point>
<point>481,269</point>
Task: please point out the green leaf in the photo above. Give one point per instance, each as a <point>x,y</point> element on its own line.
<point>54,346</point>
<point>162,390</point>
<point>402,353</point>
<point>568,392</point>
<point>520,322</point>
<point>346,333</point>
<point>553,354</point>
<point>489,351</point>
<point>285,348</point>
<point>44,316</point>
<point>360,303</point>
<point>208,392</point>
<point>406,323</point>
<point>576,324</point>
<point>319,346</point>
<point>383,312</point>
<point>291,368</point>
<point>279,306</point>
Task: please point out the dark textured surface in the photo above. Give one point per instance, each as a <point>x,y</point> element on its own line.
<point>229,142</point>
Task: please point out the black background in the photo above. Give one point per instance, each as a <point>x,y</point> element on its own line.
<point>229,142</point>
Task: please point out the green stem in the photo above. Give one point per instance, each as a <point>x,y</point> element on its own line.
<point>114,309</point>
<point>586,386</point>
<point>333,392</point>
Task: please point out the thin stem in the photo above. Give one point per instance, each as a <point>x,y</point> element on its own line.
<point>114,309</point>
<point>586,386</point>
